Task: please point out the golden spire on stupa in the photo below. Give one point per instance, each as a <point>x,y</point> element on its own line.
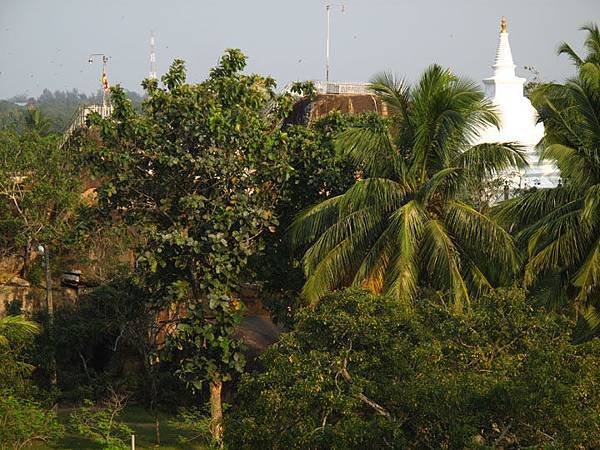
<point>503,25</point>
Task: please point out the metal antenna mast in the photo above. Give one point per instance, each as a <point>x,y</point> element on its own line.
<point>328,9</point>
<point>152,75</point>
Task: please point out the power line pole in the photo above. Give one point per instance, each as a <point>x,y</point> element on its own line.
<point>45,252</point>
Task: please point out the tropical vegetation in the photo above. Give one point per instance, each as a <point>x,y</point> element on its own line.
<point>406,225</point>
<point>361,371</point>
<point>188,232</point>
<point>560,228</point>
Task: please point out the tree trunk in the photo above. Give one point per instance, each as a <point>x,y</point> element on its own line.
<point>216,410</point>
<point>157,429</point>
<point>26,258</point>
<point>153,398</point>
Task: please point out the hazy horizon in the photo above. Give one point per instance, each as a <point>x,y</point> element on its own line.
<point>46,44</point>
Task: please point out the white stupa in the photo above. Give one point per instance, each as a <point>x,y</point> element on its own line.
<point>518,120</point>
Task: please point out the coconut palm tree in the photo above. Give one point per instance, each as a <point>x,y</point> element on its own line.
<point>406,224</point>
<point>591,44</point>
<point>560,227</point>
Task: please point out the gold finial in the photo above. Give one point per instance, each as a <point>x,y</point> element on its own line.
<point>503,25</point>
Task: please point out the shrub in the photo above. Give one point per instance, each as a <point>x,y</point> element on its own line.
<point>23,422</point>
<point>195,421</point>
<point>101,424</point>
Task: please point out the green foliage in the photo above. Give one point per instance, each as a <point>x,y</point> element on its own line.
<point>23,422</point>
<point>109,338</point>
<point>16,335</point>
<point>38,123</point>
<point>196,174</point>
<point>592,45</point>
<point>38,191</point>
<point>92,336</point>
<point>405,225</point>
<point>560,227</point>
<point>195,422</point>
<point>359,371</point>
<point>319,172</point>
<point>101,423</point>
<point>14,329</point>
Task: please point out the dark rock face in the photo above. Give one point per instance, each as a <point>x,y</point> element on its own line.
<point>257,333</point>
<point>307,111</point>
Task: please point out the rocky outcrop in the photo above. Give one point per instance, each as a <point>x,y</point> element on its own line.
<point>306,111</point>
<point>14,289</point>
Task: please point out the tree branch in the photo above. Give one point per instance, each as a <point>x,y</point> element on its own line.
<point>374,405</point>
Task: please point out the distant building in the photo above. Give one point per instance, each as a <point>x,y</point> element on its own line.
<point>518,120</point>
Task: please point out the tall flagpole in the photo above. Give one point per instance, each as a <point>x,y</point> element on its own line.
<point>104,79</point>
<point>328,39</point>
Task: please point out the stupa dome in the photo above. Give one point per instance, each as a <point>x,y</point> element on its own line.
<point>518,118</point>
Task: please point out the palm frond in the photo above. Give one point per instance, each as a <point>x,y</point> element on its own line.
<point>565,49</point>
<point>550,226</point>
<point>382,194</point>
<point>443,262</point>
<point>477,281</point>
<point>331,271</point>
<point>357,224</point>
<point>402,277</point>
<point>439,182</point>
<point>370,147</point>
<point>587,278</point>
<point>530,207</point>
<point>488,160</point>
<point>477,232</point>
<point>374,266</point>
<point>567,249</point>
<point>573,165</point>
<point>313,221</point>
<point>592,42</point>
<point>393,91</point>
<point>16,328</point>
<point>591,205</point>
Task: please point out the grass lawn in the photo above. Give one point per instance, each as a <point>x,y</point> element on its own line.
<point>138,420</point>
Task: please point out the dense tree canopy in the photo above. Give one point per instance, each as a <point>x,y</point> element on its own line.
<point>359,371</point>
<point>203,185</point>
<point>39,191</point>
<point>57,107</point>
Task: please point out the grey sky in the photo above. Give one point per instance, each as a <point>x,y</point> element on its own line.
<point>46,43</point>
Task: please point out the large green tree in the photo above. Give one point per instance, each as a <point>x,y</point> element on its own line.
<point>359,371</point>
<point>560,227</point>
<point>39,192</point>
<point>406,224</point>
<point>196,173</point>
